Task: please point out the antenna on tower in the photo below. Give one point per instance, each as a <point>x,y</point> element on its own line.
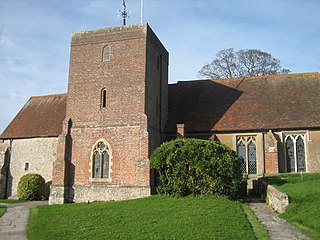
<point>124,13</point>
<point>142,9</point>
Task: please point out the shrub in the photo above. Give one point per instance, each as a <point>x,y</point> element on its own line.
<point>31,187</point>
<point>194,166</point>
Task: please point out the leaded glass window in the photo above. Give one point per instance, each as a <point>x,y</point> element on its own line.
<point>96,165</point>
<point>295,153</point>
<point>252,158</point>
<point>241,149</point>
<point>246,149</point>
<point>300,154</point>
<point>290,155</point>
<point>101,161</point>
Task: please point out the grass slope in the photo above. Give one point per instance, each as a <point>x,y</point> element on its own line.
<point>149,218</point>
<point>11,201</point>
<point>304,197</point>
<point>2,210</point>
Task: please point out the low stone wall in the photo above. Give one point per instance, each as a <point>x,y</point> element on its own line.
<point>279,201</point>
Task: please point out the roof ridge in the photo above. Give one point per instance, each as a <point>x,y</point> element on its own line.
<point>249,77</point>
<point>269,76</point>
<point>50,95</point>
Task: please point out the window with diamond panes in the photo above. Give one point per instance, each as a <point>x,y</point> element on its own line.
<point>295,153</point>
<point>101,160</point>
<point>241,149</point>
<point>246,149</point>
<point>252,158</point>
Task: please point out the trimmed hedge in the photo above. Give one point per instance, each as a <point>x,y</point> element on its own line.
<point>194,166</point>
<point>31,187</point>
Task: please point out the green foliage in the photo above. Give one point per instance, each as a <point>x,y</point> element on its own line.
<point>31,187</point>
<point>155,217</point>
<point>194,166</point>
<point>304,197</point>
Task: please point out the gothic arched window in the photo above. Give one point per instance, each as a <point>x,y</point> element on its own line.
<point>246,149</point>
<point>295,153</point>
<point>101,160</point>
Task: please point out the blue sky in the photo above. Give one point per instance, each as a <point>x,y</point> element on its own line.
<point>35,37</point>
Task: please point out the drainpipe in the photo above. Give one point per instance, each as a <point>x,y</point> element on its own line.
<point>264,155</point>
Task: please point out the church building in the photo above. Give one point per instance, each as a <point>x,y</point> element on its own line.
<point>94,142</point>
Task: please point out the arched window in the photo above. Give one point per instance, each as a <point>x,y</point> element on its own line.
<point>295,153</point>
<point>104,98</point>
<point>101,160</point>
<point>242,153</point>
<point>246,149</point>
<point>106,53</point>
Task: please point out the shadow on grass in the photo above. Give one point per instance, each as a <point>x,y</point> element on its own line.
<point>275,180</point>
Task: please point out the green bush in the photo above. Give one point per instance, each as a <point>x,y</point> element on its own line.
<point>31,187</point>
<point>194,166</point>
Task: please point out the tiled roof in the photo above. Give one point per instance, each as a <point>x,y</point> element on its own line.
<point>290,101</point>
<point>40,117</point>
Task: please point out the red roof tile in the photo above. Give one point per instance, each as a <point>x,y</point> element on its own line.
<point>41,116</point>
<point>290,101</point>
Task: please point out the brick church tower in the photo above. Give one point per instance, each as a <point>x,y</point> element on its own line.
<point>116,114</point>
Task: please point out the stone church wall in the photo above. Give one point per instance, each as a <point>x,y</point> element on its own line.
<point>313,151</point>
<point>34,155</point>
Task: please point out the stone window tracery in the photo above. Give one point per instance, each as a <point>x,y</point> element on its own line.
<point>246,149</point>
<point>101,160</point>
<point>295,152</point>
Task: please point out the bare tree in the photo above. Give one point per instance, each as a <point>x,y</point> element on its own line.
<point>249,62</point>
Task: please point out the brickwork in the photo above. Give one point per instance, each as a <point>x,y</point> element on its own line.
<point>271,153</point>
<point>271,162</point>
<point>130,117</point>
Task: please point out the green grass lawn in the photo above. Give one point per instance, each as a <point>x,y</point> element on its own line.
<point>304,198</point>
<point>2,210</point>
<point>154,217</point>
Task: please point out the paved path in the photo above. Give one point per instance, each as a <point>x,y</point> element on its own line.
<point>13,224</point>
<point>278,228</point>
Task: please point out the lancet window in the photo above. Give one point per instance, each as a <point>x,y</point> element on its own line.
<point>246,149</point>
